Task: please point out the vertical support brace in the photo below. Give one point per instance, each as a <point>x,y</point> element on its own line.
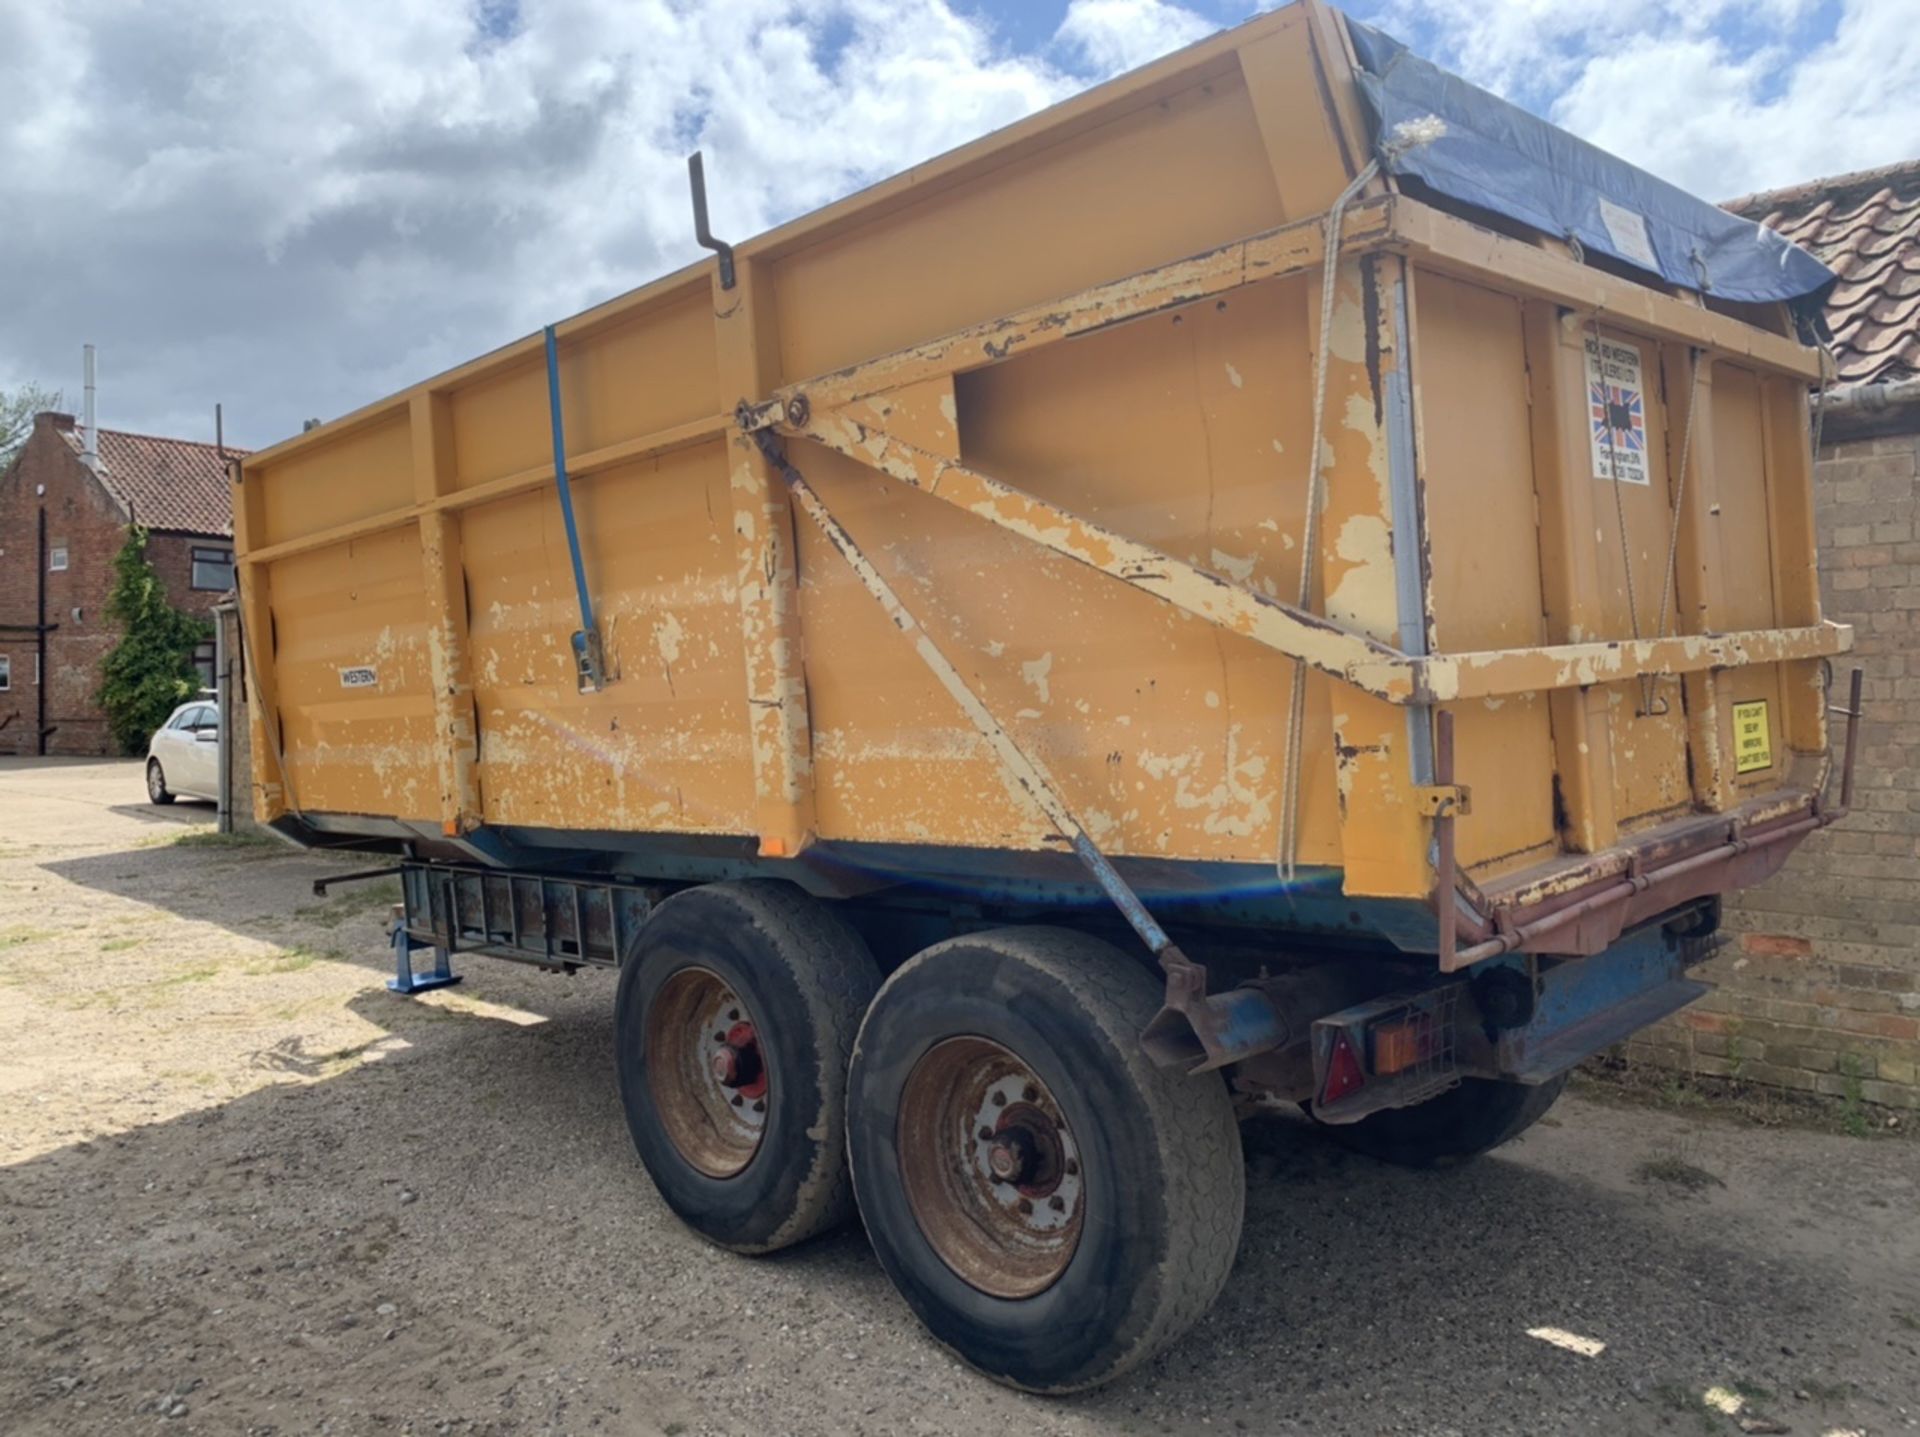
<point>1556,346</point>
<point>588,659</point>
<point>445,591</point>
<point>272,787</point>
<point>767,574</point>
<point>1699,580</point>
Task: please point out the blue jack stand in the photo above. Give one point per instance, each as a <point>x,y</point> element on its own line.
<point>405,980</point>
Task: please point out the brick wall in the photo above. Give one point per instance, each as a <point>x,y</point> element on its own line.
<point>84,519</point>
<point>1820,991</point>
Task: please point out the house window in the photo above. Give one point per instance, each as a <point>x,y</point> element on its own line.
<point>203,656</point>
<point>213,569</point>
<point>57,558</point>
<point>6,673</point>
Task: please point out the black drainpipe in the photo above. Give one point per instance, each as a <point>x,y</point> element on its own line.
<point>40,642</point>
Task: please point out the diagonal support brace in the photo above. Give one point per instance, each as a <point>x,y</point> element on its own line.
<point>1190,1025</point>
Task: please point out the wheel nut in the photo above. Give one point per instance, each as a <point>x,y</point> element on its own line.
<point>1073,1167</point>
<point>1026,1207</point>
<point>1030,1093</point>
<point>759,1105</point>
<point>1057,1203</point>
<point>738,1101</point>
<point>986,1135</point>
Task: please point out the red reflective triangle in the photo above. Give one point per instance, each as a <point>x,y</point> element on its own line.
<point>1344,1073</point>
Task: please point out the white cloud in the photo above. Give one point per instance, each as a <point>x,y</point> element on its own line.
<point>1722,124</point>
<point>1109,36</point>
<point>297,208</point>
<point>1719,96</point>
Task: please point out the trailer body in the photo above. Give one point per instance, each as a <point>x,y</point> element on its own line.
<point>1229,502</point>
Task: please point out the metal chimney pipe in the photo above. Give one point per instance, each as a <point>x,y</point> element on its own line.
<point>90,441</point>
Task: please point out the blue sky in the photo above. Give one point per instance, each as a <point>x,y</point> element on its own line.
<point>295,209</point>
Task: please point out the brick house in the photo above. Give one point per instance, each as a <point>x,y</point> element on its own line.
<point>61,523</point>
<point>1821,990</point>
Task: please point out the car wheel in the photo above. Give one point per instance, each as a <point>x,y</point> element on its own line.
<point>157,790</point>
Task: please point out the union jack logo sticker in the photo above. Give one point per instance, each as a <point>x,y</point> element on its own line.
<point>1623,412</point>
<point>1617,413</point>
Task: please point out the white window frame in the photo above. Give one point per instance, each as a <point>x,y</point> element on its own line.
<point>6,673</point>
<point>57,559</point>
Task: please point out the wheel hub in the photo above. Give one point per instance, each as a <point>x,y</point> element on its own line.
<point>708,1077</point>
<point>736,1061</point>
<point>991,1168</point>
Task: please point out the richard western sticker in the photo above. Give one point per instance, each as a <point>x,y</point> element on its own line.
<point>363,677</point>
<point>1617,411</point>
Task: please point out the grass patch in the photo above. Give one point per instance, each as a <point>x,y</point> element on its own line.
<point>20,937</point>
<point>120,945</point>
<point>1908,1320</point>
<point>1853,1113</point>
<point>1614,1078</point>
<point>1675,1171</point>
<point>214,838</point>
<point>289,960</point>
<point>190,975</point>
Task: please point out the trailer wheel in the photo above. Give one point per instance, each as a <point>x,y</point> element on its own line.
<point>1054,1207</point>
<point>1463,1122</point>
<point>734,1019</point>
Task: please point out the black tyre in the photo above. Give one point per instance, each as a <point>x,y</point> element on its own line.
<point>1051,1205</point>
<point>1461,1123</point>
<point>157,791</point>
<point>734,1020</point>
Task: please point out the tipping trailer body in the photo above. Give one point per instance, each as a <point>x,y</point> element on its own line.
<point>1057,390</point>
<point>1283,499</point>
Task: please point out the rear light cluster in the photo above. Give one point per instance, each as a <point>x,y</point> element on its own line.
<point>1388,1053</point>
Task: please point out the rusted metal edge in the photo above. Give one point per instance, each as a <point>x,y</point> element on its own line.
<point>1500,929</point>
<point>1496,673</point>
<point>1290,249</point>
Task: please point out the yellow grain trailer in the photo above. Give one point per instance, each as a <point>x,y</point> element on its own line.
<point>1280,576</point>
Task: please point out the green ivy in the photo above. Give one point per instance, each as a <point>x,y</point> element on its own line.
<point>150,672</point>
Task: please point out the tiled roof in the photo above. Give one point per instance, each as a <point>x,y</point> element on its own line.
<point>165,483</point>
<point>1866,228</point>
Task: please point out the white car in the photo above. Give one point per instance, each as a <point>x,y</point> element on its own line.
<point>183,758</point>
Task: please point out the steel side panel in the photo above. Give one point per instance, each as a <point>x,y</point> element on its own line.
<point>666,744</point>
<point>1150,186</point>
<point>1484,550</point>
<point>361,606</point>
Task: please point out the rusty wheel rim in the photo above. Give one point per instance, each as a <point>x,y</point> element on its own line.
<point>705,1071</point>
<point>991,1170</point>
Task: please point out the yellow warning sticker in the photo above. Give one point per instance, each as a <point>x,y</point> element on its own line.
<point>1752,739</point>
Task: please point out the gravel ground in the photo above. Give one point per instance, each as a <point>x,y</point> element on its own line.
<point>244,1189</point>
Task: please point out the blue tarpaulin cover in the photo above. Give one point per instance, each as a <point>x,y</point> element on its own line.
<point>1475,147</point>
